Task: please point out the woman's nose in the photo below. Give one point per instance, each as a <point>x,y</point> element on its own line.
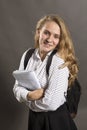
<point>50,38</point>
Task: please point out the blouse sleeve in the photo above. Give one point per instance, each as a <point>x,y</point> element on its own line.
<point>20,92</point>
<point>57,86</point>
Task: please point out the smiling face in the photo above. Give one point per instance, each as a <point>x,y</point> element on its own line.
<point>49,36</point>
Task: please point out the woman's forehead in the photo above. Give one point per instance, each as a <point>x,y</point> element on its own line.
<point>51,26</point>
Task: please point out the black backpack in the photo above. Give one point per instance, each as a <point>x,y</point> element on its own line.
<point>73,93</point>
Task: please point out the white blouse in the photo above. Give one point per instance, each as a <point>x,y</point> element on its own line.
<point>55,84</point>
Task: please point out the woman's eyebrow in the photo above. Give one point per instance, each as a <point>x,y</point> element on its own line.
<point>50,32</point>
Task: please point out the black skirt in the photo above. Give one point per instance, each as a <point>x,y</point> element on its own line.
<point>52,120</point>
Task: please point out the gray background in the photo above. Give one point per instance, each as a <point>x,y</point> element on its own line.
<point>17,25</point>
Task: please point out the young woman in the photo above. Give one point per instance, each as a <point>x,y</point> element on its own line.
<point>47,106</point>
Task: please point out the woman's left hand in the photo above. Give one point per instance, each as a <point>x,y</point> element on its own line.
<point>36,94</point>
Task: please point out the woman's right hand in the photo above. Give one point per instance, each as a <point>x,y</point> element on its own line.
<point>36,94</point>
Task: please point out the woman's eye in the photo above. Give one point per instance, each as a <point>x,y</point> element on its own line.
<point>46,32</point>
<point>56,36</point>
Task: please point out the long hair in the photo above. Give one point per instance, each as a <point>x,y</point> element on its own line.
<point>65,47</point>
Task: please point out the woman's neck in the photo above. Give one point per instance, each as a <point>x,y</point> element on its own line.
<point>42,55</point>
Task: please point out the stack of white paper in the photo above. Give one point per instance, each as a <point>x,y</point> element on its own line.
<point>27,79</point>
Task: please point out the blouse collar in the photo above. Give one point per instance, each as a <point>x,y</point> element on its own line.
<point>37,53</point>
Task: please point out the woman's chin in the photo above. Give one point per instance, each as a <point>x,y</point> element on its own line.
<point>46,50</point>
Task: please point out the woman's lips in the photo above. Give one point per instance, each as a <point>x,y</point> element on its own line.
<point>47,43</point>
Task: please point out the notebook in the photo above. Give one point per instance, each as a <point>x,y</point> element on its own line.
<point>27,79</point>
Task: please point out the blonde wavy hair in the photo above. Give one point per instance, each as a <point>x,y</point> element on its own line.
<point>65,47</point>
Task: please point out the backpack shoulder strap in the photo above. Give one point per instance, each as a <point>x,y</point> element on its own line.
<point>27,56</point>
<point>49,61</point>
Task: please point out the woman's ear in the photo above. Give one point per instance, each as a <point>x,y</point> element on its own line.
<point>38,31</point>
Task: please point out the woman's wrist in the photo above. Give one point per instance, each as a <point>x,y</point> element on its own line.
<point>29,96</point>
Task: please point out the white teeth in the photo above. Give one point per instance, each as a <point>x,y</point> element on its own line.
<point>46,42</point>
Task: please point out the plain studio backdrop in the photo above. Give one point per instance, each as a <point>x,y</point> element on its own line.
<point>18,19</point>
